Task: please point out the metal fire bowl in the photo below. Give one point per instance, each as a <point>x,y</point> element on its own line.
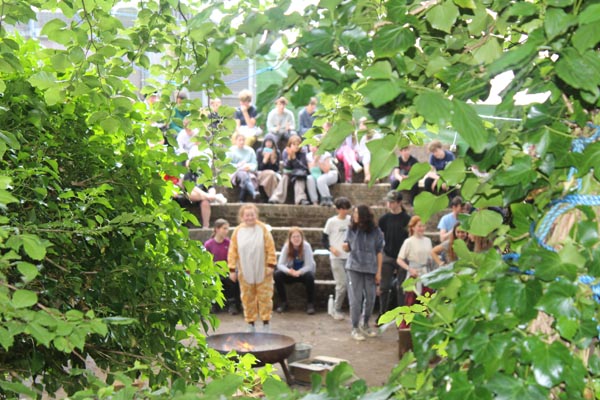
<point>268,348</point>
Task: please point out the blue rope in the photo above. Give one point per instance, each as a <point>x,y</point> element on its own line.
<point>559,207</point>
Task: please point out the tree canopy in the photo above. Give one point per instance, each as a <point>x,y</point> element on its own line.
<point>96,259</point>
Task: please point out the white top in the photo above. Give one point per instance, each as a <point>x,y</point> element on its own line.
<point>417,251</point>
<point>251,250</point>
<point>336,229</point>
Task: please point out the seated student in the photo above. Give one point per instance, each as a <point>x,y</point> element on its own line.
<point>443,253</point>
<point>448,221</point>
<point>187,144</point>
<point>296,264</point>
<point>363,154</point>
<point>218,246</point>
<point>243,158</point>
<point>438,159</point>
<point>306,116</point>
<point>281,122</point>
<point>346,153</point>
<point>323,173</point>
<point>400,173</point>
<point>245,118</point>
<point>295,170</point>
<point>268,158</point>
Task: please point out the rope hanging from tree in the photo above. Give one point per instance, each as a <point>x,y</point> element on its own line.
<point>561,206</point>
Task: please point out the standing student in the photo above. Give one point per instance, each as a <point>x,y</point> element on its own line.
<point>415,255</point>
<point>252,260</point>
<point>364,242</point>
<point>218,246</point>
<point>296,264</point>
<point>334,235</point>
<point>394,225</point>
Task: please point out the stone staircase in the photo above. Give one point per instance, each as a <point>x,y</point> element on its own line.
<point>312,220</point>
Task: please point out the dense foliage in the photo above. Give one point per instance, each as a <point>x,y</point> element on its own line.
<point>94,254</point>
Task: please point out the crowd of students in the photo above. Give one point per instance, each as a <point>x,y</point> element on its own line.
<point>369,259</point>
<point>265,170</point>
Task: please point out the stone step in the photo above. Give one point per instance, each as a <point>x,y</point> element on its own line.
<point>295,215</point>
<point>312,235</point>
<point>357,193</point>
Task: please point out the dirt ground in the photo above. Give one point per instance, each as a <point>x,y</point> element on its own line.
<point>371,359</point>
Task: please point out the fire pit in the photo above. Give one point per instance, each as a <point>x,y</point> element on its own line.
<point>268,348</point>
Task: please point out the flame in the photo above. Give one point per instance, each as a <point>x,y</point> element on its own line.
<point>238,345</point>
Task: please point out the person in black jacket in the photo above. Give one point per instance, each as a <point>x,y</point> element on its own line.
<point>394,225</point>
<point>295,171</point>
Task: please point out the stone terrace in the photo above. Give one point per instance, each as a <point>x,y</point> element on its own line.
<point>312,220</point>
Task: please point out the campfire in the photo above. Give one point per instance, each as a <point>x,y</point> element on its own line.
<point>268,348</point>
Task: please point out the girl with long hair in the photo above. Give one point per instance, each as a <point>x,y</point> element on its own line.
<point>364,242</point>
<point>415,255</point>
<point>296,264</point>
<point>218,246</point>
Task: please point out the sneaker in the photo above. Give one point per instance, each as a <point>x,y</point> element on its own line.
<point>357,335</point>
<point>310,309</point>
<point>250,328</point>
<point>266,328</point>
<point>281,308</point>
<point>233,310</point>
<point>357,167</point>
<point>368,331</point>
<point>338,316</point>
<point>220,199</point>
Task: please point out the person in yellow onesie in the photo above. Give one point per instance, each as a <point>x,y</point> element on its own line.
<point>252,259</point>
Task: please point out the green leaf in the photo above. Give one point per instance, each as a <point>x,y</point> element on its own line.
<point>29,271</point>
<point>548,361</point>
<point>469,126</point>
<point>336,134</point>
<point>507,387</point>
<point>317,41</point>
<point>6,339</point>
<point>18,388</point>
<point>582,71</point>
<point>381,166</point>
<point>586,37</point>
<point>34,246</point>
<point>379,70</point>
<point>559,3</point>
<point>390,40</point>
<point>337,378</point>
<point>567,327</point>
<point>378,92</point>
<point>434,107</point>
<point>24,298</point>
<point>52,26</point>
<point>454,173</point>
<point>590,14</point>
<point>43,80</point>
<point>416,173</point>
<point>2,86</point>
<point>443,16</point>
<point>465,4</point>
<point>488,52</point>
<point>557,22</point>
<point>520,171</point>
<point>427,204</point>
<point>559,300</point>
<point>229,384</point>
<point>7,198</point>
<point>484,222</point>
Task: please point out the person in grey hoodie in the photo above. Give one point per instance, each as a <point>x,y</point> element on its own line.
<point>296,264</point>
<point>364,242</point>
